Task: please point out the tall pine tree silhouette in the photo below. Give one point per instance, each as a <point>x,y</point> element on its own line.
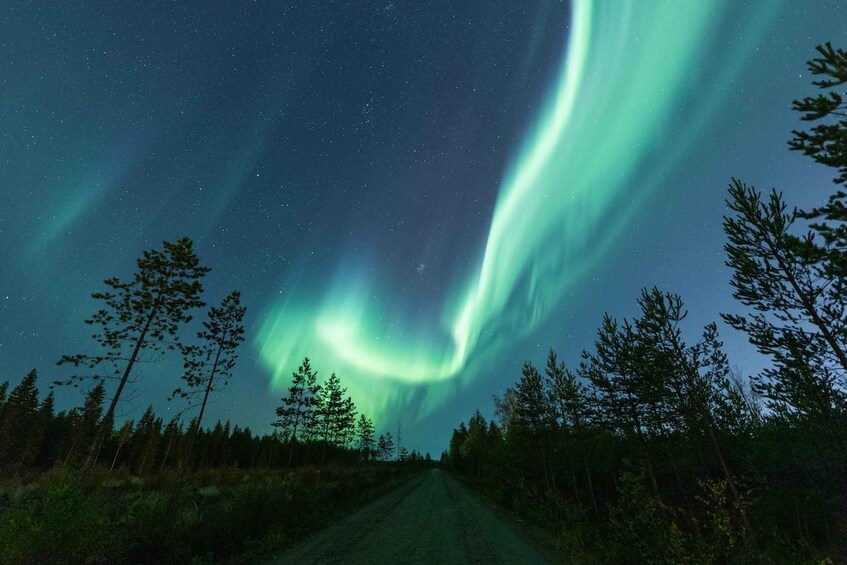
<point>139,315</point>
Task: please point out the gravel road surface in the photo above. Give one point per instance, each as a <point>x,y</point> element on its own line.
<point>430,519</point>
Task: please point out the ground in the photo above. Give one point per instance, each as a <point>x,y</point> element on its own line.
<point>429,519</point>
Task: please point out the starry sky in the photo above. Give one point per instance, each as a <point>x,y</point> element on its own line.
<point>418,196</point>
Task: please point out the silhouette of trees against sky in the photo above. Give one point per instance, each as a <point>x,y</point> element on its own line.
<point>209,363</point>
<point>648,448</point>
<point>365,436</point>
<point>794,282</point>
<point>653,449</point>
<point>297,411</point>
<point>142,315</point>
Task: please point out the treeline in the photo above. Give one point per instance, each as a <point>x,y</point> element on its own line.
<point>315,416</point>
<point>87,486</point>
<point>159,491</point>
<point>145,319</point>
<point>35,438</point>
<point>651,449</point>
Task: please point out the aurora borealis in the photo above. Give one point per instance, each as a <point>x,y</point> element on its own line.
<point>417,198</point>
<point>544,231</point>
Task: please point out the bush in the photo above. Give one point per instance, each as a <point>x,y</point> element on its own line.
<point>59,523</point>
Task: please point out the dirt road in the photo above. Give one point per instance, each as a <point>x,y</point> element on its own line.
<point>430,519</point>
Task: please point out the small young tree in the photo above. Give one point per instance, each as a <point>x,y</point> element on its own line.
<point>209,364</point>
<point>385,446</point>
<point>365,436</point>
<point>297,411</point>
<point>140,315</point>
<point>336,415</point>
<point>629,398</point>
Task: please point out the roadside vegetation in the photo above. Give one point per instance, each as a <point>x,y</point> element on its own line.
<point>650,448</point>
<point>81,486</point>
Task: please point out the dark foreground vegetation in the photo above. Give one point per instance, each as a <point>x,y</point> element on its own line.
<point>651,449</point>
<point>83,486</point>
<point>230,514</point>
<point>159,492</point>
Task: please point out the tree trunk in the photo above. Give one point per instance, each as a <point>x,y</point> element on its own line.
<point>573,480</point>
<point>115,458</point>
<point>110,413</point>
<point>196,429</point>
<point>590,484</point>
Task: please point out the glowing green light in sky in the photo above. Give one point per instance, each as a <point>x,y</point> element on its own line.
<point>567,196</point>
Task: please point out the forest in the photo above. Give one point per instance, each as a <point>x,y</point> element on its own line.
<point>82,485</point>
<point>650,447</point>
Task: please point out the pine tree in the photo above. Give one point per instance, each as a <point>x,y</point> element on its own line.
<point>571,406</point>
<point>297,411</point>
<point>694,377</point>
<point>139,316</point>
<point>826,143</point>
<point>532,421</point>
<point>365,436</point>
<point>209,364</point>
<point>628,392</point>
<point>335,414</point>
<point>798,313</point>
<point>457,440</point>
<point>46,450</point>
<point>346,423</point>
<point>474,446</point>
<point>795,284</point>
<point>385,446</point>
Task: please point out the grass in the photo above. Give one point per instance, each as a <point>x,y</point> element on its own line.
<point>214,515</point>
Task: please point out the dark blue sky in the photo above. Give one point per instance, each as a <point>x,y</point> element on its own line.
<point>349,166</point>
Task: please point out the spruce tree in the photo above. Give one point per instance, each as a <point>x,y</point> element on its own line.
<point>19,429</point>
<point>87,422</point>
<point>4,390</point>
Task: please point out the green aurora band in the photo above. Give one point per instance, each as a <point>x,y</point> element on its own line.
<point>565,200</point>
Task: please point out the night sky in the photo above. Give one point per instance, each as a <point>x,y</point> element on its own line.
<point>418,196</point>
